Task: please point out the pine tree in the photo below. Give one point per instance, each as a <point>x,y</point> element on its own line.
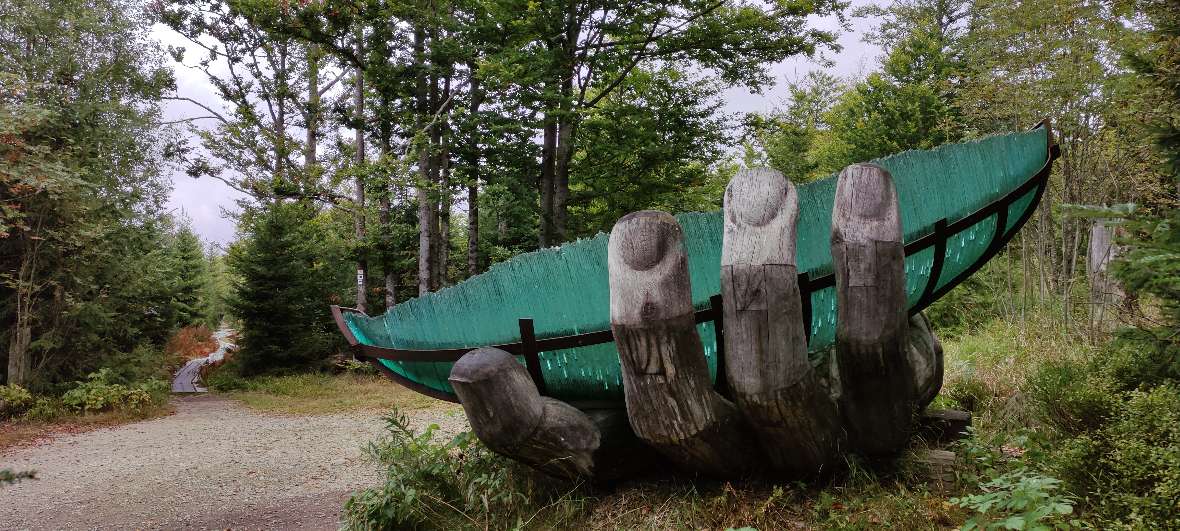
<point>1151,266</point>
<point>191,274</point>
<point>279,300</point>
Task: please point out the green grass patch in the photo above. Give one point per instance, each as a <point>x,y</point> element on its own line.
<point>319,394</point>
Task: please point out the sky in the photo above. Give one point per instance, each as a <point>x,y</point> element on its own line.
<point>208,203</point>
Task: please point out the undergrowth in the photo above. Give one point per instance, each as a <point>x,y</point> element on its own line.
<point>1071,430</point>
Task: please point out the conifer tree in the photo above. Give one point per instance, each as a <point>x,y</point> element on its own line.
<point>191,274</point>
<point>1151,266</point>
<point>279,301</point>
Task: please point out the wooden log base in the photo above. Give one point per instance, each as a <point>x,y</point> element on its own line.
<point>943,425</point>
<point>508,414</point>
<point>936,468</point>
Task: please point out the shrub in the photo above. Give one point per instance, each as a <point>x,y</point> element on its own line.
<point>1129,471</point>
<point>14,401</point>
<point>1071,396</point>
<point>191,342</point>
<point>1018,500</point>
<point>352,366</point>
<point>428,483</point>
<point>225,377</point>
<point>1138,359</point>
<point>97,394</point>
<point>142,363</point>
<point>45,408</point>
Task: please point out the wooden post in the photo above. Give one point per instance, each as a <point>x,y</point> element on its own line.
<point>766,364</point>
<point>1105,292</point>
<point>876,380</point>
<point>670,400</point>
<point>508,414</point>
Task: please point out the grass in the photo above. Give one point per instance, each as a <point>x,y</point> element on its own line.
<point>18,432</point>
<point>321,394</point>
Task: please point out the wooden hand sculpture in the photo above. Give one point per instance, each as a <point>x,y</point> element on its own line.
<point>783,414</point>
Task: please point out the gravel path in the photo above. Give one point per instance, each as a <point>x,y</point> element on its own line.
<point>213,465</point>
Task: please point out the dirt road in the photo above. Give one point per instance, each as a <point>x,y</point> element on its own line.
<point>214,464</point>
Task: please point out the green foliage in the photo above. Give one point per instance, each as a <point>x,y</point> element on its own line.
<point>428,483</point>
<point>8,477</point>
<point>797,140</point>
<point>1070,397</point>
<point>662,130</point>
<point>1128,471</point>
<point>14,401</point>
<point>190,272</point>
<point>282,299</point>
<point>83,233</point>
<point>97,393</point>
<point>1018,500</point>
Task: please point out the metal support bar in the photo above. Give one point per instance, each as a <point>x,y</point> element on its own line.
<point>528,349</point>
<point>940,237</point>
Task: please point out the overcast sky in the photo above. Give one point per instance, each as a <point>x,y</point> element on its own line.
<point>208,202</point>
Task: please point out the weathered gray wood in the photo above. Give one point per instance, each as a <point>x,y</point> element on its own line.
<point>936,468</point>
<point>670,400</point>
<point>508,414</point>
<point>925,353</point>
<point>766,362</point>
<point>941,425</point>
<point>1105,292</point>
<point>876,380</point>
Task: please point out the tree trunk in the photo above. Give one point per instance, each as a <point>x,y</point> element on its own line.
<point>421,141</point>
<point>443,241</point>
<point>473,154</point>
<point>385,219</point>
<point>20,362</point>
<point>566,123</point>
<point>362,263</point>
<point>313,110</point>
<point>548,177</point>
<point>435,181</point>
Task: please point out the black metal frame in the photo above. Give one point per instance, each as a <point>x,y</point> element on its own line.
<point>530,347</point>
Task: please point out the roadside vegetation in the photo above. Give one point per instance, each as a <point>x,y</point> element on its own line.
<point>134,386</point>
<point>356,387</point>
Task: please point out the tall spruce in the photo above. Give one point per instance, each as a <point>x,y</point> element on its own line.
<point>280,298</point>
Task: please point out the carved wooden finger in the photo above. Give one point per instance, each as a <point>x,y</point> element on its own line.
<point>508,414</point>
<point>766,362</point>
<point>925,353</point>
<point>671,403</point>
<point>876,378</point>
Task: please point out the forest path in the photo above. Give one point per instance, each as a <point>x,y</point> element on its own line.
<point>189,375</point>
<point>214,464</point>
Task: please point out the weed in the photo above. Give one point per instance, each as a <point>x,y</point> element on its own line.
<point>14,401</point>
<point>428,483</point>
<point>1018,500</point>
